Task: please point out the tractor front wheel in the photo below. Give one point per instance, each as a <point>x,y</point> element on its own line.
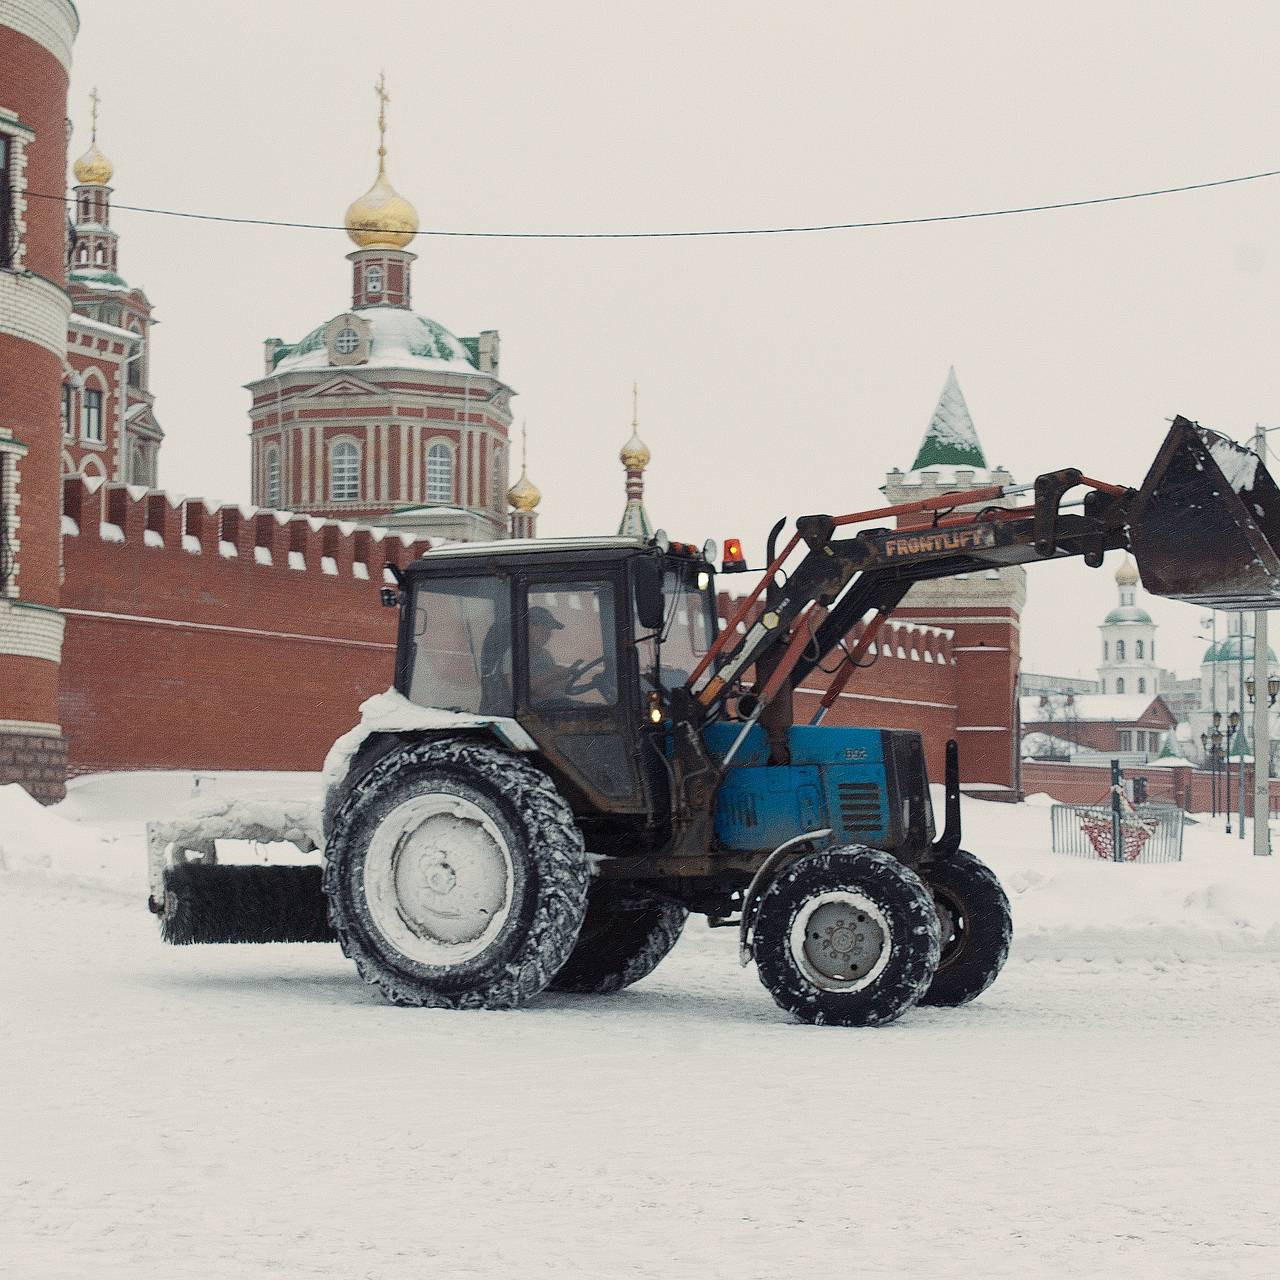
<point>626,933</point>
<point>977,928</point>
<point>846,937</point>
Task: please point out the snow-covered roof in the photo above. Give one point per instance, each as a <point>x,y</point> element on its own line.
<point>398,339</point>
<point>950,439</point>
<point>77,321</point>
<point>1124,707</point>
<point>99,278</point>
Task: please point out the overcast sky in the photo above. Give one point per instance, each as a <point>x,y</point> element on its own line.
<point>780,374</point>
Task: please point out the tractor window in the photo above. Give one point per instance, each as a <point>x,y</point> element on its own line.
<point>462,645</point>
<point>687,632</point>
<point>572,658</point>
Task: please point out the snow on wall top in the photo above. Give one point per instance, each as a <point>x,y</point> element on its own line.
<point>950,439</point>
<point>1126,708</point>
<point>398,339</point>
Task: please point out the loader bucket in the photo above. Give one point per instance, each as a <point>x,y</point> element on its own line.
<point>1205,526</point>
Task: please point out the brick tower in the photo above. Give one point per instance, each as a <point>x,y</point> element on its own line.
<point>982,609</point>
<point>35,53</point>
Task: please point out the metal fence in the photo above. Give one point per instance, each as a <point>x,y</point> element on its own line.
<point>1149,832</point>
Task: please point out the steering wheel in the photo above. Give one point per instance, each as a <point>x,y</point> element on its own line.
<point>576,685</point>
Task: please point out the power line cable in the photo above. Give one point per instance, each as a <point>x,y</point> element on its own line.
<point>703,232</point>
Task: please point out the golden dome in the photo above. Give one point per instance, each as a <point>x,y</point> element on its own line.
<point>635,453</point>
<point>1127,573</point>
<point>382,218</point>
<point>93,168</point>
<point>524,495</point>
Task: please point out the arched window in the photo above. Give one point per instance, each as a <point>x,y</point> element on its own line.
<point>1120,684</point>
<point>91,415</point>
<point>137,467</point>
<point>1142,685</point>
<point>1153,650</point>
<point>97,255</point>
<point>1119,650</point>
<point>439,473</point>
<point>273,477</point>
<point>1138,653</point>
<point>344,472</point>
<point>84,253</point>
<point>1105,654</point>
<point>373,280</point>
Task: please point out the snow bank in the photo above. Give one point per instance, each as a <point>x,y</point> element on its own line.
<point>1219,898</point>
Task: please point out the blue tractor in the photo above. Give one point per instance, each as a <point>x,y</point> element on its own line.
<point>576,754</point>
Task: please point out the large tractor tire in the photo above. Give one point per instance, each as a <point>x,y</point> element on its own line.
<point>626,934</point>
<point>846,937</point>
<point>977,928</point>
<point>455,876</point>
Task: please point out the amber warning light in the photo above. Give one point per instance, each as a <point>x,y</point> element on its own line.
<point>733,561</point>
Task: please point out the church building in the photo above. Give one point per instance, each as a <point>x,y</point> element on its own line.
<point>109,426</point>
<point>380,413</point>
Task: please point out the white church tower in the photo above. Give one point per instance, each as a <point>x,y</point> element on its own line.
<point>1129,641</point>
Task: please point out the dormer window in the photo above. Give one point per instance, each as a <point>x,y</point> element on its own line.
<point>346,342</point>
<point>373,280</point>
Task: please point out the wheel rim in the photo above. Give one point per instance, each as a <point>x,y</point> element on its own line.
<point>954,923</point>
<point>438,879</point>
<point>841,941</point>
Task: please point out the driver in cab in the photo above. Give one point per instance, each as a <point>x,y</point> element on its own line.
<point>548,680</point>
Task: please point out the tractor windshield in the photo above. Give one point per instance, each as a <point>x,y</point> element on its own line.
<point>687,631</point>
<point>462,645</point>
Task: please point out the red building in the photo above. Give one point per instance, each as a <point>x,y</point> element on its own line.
<point>35,57</point>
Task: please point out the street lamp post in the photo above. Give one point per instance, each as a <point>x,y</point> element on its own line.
<point>1232,721</point>
<point>1261,735</point>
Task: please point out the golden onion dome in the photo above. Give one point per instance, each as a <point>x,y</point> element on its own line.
<point>381,218</point>
<point>635,453</point>
<point>93,169</point>
<point>524,495</point>
<point>1127,573</point>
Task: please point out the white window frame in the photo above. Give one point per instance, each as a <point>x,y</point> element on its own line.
<point>93,387</point>
<point>355,343</point>
<point>1120,684</point>
<point>334,445</point>
<point>270,460</point>
<point>373,282</point>
<point>431,493</point>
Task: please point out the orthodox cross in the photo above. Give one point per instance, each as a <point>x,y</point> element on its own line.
<point>383,98</point>
<point>93,113</point>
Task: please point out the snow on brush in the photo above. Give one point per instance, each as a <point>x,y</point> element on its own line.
<point>1107,1108</point>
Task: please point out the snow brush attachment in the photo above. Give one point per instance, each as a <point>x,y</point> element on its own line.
<point>1205,526</point>
<point>222,902</point>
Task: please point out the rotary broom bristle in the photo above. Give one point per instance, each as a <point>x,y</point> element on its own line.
<point>238,903</point>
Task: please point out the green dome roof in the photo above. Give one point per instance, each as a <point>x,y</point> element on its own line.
<point>1228,650</point>
<point>1128,613</point>
<point>397,339</point>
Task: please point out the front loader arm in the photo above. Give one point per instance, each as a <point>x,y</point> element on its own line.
<point>840,580</point>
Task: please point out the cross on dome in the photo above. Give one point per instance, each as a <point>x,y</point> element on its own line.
<point>93,169</point>
<point>381,218</point>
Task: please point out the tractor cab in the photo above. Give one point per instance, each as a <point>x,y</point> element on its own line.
<point>579,641</point>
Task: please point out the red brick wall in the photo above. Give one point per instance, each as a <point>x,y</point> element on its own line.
<point>1191,789</point>
<point>180,660</point>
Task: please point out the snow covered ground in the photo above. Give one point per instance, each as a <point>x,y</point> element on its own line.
<point>1107,1109</point>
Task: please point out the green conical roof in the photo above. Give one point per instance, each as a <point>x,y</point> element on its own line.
<point>951,440</point>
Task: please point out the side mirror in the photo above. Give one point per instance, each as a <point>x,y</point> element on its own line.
<point>646,582</point>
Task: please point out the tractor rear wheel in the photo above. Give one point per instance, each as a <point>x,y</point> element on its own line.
<point>977,928</point>
<point>846,937</point>
<point>626,934</point>
<point>455,876</point>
